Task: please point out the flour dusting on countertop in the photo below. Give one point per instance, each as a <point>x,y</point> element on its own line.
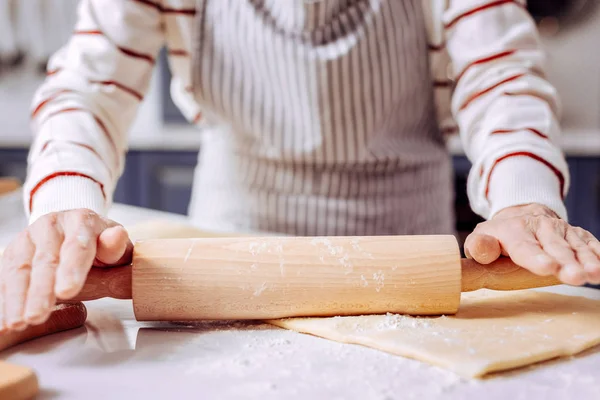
<point>245,348</point>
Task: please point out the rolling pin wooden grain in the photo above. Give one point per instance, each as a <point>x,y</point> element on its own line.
<point>19,382</point>
<point>279,277</point>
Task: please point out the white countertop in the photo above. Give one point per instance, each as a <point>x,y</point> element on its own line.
<point>115,357</point>
<point>185,138</point>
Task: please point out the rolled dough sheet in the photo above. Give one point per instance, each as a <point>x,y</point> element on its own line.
<point>493,331</point>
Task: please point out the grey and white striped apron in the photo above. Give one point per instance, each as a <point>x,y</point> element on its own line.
<point>322,117</point>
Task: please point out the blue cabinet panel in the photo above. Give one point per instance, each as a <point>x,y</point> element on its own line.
<point>166,179</point>
<point>13,162</point>
<point>585,186</point>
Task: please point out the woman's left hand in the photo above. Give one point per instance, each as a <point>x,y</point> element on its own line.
<point>535,238</point>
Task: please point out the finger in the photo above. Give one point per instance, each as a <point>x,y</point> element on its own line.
<point>482,248</point>
<point>48,239</point>
<point>81,229</point>
<point>15,276</point>
<point>593,243</point>
<point>587,255</point>
<point>553,241</point>
<point>114,247</point>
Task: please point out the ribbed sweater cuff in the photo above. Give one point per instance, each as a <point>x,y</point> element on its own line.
<point>67,193</point>
<point>522,180</point>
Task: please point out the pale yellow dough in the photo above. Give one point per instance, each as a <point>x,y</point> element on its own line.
<point>493,331</point>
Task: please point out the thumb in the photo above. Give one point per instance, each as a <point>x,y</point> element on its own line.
<point>114,247</point>
<point>482,248</point>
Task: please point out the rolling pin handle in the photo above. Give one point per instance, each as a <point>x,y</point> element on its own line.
<point>502,274</point>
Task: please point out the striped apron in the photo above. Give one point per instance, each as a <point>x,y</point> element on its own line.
<point>322,119</point>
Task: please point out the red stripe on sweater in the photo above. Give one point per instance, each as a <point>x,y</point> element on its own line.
<point>149,3</point>
<point>180,11</point>
<point>40,106</point>
<point>132,92</point>
<point>88,32</point>
<point>76,144</point>
<point>558,174</point>
<point>56,175</point>
<point>126,51</point>
<point>178,53</point>
<point>485,60</point>
<point>537,96</point>
<point>197,118</point>
<point>485,91</point>
<point>482,8</point>
<point>53,72</point>
<point>135,54</point>
<point>503,131</point>
<point>98,121</point>
<point>160,8</point>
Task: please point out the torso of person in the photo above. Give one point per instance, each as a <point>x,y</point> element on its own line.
<point>322,119</point>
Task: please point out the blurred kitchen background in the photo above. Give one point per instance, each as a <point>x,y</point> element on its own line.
<point>164,148</point>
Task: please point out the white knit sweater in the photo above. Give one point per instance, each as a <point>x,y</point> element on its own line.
<point>485,64</point>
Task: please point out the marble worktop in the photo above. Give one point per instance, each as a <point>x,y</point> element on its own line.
<point>116,357</point>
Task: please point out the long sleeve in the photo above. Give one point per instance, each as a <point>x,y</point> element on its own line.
<point>82,112</point>
<point>506,110</point>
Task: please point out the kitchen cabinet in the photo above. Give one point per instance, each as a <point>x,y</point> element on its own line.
<point>165,180</point>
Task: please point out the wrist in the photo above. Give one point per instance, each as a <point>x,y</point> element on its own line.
<point>534,209</point>
<point>66,193</point>
<point>527,183</point>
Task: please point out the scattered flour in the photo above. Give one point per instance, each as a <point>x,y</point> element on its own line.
<point>518,329</point>
<point>356,246</point>
<point>336,251</point>
<point>363,281</point>
<point>256,248</point>
<point>189,252</point>
<point>260,289</point>
<point>379,278</point>
<point>397,321</point>
<point>260,361</point>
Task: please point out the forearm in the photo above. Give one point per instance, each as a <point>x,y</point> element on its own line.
<point>506,110</point>
<point>82,112</point>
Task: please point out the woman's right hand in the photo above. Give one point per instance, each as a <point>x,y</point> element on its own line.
<point>50,260</point>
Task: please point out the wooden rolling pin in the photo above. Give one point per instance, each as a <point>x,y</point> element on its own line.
<point>279,277</point>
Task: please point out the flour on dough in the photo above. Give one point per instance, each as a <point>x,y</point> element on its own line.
<point>493,331</point>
